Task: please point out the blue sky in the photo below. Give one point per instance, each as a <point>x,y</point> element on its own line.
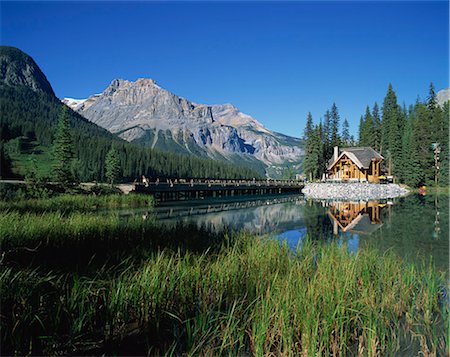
<point>274,60</point>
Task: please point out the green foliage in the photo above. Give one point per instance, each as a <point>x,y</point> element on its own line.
<point>69,203</point>
<point>345,136</point>
<point>376,144</point>
<point>251,296</point>
<point>32,117</point>
<point>5,162</point>
<point>320,141</point>
<point>314,146</point>
<point>403,136</point>
<point>63,150</point>
<point>367,135</point>
<point>112,166</point>
<point>335,139</point>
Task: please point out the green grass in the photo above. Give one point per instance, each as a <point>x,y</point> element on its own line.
<point>21,158</point>
<point>253,297</point>
<point>76,280</point>
<point>77,203</point>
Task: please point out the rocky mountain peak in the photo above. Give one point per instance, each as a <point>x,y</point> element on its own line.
<point>147,114</point>
<point>19,69</point>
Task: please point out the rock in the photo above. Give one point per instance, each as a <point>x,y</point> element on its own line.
<point>443,96</point>
<point>19,69</point>
<point>353,191</point>
<point>147,114</point>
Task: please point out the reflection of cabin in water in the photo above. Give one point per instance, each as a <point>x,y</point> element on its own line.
<point>356,217</point>
<point>355,164</point>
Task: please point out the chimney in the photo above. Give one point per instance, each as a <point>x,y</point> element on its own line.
<point>335,153</point>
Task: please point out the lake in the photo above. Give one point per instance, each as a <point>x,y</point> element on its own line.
<point>414,226</point>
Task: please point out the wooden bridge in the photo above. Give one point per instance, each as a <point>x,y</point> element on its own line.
<point>171,190</point>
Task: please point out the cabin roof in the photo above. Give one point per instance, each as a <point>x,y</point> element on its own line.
<point>361,156</point>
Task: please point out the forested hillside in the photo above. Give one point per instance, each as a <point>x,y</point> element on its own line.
<point>30,112</point>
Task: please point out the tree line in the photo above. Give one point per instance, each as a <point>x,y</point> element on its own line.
<point>413,140</point>
<point>35,116</point>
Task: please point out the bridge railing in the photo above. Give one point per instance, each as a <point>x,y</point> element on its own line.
<point>224,183</point>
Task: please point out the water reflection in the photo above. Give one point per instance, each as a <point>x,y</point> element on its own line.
<point>358,217</point>
<point>412,226</point>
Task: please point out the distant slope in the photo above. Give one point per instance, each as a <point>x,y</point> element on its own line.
<point>143,112</point>
<point>30,112</point>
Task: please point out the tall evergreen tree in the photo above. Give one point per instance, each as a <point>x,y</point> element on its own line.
<point>326,134</point>
<point>309,126</point>
<point>377,127</point>
<point>368,132</point>
<point>432,102</point>
<point>334,131</point>
<point>63,152</point>
<point>392,132</point>
<point>411,172</point>
<point>112,169</point>
<point>309,161</point>
<point>345,133</point>
<point>421,145</point>
<point>361,134</point>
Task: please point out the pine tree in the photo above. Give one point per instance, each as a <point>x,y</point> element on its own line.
<point>368,129</point>
<point>389,112</point>
<point>112,169</point>
<point>411,172</point>
<point>309,126</point>
<point>345,133</point>
<point>309,162</point>
<point>361,133</point>
<point>421,145</point>
<point>326,134</point>
<point>334,131</point>
<point>63,152</point>
<point>432,102</point>
<point>392,131</point>
<point>377,127</point>
<point>317,153</point>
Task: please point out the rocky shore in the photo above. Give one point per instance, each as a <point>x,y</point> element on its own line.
<point>353,191</point>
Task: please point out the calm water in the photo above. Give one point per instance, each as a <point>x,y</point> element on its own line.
<point>414,226</point>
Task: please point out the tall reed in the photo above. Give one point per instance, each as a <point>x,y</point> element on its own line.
<point>252,296</point>
<point>66,203</point>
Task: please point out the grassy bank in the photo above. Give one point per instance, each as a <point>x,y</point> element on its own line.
<point>66,203</point>
<point>74,280</point>
<point>251,297</point>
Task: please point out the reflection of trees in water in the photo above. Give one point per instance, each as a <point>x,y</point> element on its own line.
<point>410,227</point>
<point>317,223</point>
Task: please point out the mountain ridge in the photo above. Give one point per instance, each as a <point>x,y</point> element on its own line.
<point>145,113</point>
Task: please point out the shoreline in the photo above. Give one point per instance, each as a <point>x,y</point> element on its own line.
<point>353,191</point>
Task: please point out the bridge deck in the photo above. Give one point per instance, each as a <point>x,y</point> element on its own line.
<point>176,190</point>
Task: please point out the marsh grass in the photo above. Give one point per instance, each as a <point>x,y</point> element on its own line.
<point>84,242</point>
<point>66,203</point>
<point>249,297</point>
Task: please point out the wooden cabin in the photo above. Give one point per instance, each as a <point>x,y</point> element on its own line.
<point>361,164</point>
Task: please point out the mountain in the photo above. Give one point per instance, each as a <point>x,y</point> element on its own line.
<point>144,113</point>
<point>19,69</point>
<point>443,96</point>
<point>29,114</point>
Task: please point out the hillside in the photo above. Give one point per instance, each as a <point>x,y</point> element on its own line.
<point>30,111</point>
